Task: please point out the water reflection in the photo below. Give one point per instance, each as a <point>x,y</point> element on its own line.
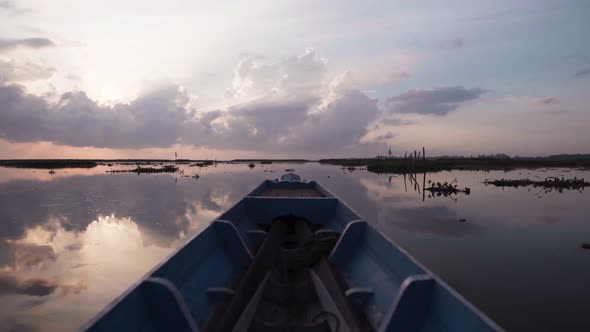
<point>71,242</point>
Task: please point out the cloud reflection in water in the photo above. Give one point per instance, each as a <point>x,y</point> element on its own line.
<point>67,253</point>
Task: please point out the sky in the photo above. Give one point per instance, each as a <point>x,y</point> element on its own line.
<point>292,79</point>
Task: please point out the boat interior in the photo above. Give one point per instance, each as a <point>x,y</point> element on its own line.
<point>290,256</point>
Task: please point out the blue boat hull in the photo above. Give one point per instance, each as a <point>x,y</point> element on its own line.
<point>218,280</point>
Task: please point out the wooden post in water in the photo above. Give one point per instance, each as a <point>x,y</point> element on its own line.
<point>423,153</point>
<point>423,186</point>
<point>405,184</point>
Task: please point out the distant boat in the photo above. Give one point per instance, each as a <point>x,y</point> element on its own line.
<point>290,256</point>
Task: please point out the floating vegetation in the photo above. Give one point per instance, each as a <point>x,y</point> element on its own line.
<point>51,172</point>
<point>586,245</point>
<point>251,165</point>
<point>196,176</point>
<point>557,183</point>
<point>434,189</point>
<point>202,164</point>
<point>446,188</point>
<point>139,170</point>
<point>289,170</point>
<point>352,168</point>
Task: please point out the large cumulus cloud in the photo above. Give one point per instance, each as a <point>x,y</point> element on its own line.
<point>297,75</point>
<point>152,120</point>
<point>290,105</point>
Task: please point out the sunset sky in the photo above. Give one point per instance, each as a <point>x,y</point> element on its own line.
<point>220,79</point>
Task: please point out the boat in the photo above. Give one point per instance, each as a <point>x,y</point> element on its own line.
<point>290,256</point>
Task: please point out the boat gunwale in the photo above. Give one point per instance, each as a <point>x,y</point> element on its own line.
<point>102,313</point>
<point>453,292</point>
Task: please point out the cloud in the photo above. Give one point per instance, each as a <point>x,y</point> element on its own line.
<point>285,106</point>
<point>582,73</point>
<point>451,44</point>
<point>10,284</point>
<point>10,6</point>
<point>302,74</point>
<point>386,137</point>
<point>155,119</point>
<point>339,121</point>
<point>19,255</point>
<point>73,77</point>
<point>397,122</point>
<point>547,101</point>
<point>36,43</point>
<point>16,71</point>
<point>439,101</point>
<point>7,4</point>
<point>172,211</point>
<point>32,255</point>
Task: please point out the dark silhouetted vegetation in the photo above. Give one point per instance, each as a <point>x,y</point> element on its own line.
<point>203,164</point>
<point>547,183</point>
<point>434,165</point>
<point>48,163</point>
<point>446,188</point>
<point>139,170</point>
<point>269,161</point>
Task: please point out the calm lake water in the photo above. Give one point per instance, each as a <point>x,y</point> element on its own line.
<point>72,241</point>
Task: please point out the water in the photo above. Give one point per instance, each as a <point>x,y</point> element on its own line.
<point>72,241</point>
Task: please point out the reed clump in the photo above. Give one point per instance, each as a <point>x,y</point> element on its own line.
<point>149,170</point>
<point>446,188</point>
<point>559,183</point>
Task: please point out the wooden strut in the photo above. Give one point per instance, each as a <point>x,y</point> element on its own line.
<point>255,274</point>
<point>263,261</point>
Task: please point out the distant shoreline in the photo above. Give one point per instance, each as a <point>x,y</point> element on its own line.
<point>402,165</point>
<point>90,163</point>
<point>376,165</point>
